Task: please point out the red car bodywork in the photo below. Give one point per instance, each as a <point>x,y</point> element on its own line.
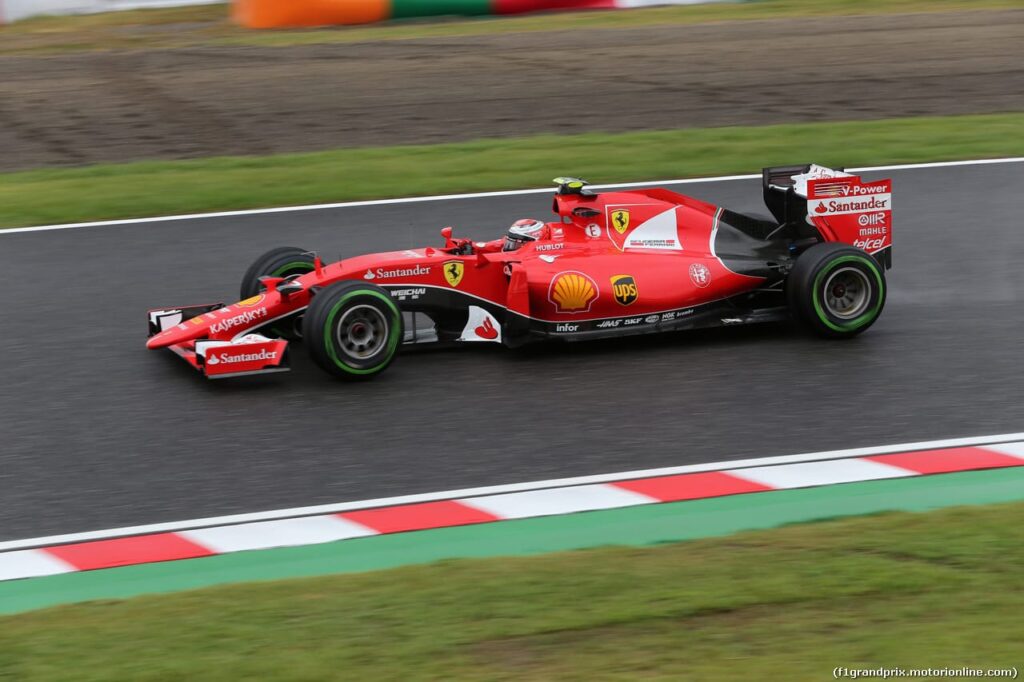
<point>615,263</point>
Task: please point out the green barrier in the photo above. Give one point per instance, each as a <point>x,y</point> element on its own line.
<point>405,9</point>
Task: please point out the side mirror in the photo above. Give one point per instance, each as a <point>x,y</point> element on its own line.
<point>271,282</point>
<point>446,232</point>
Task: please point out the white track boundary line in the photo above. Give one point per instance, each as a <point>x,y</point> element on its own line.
<point>279,514</point>
<point>476,195</point>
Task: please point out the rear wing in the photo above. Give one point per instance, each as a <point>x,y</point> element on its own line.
<point>832,205</point>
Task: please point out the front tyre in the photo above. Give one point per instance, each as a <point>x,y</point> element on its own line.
<point>280,262</point>
<point>353,330</point>
<point>835,290</point>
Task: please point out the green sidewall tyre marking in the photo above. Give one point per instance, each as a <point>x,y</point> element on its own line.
<point>329,337</point>
<point>299,266</point>
<point>858,322</point>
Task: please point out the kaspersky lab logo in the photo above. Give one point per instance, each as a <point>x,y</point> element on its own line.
<point>245,318</point>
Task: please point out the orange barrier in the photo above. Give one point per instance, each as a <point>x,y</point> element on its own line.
<point>278,13</point>
<point>291,13</point>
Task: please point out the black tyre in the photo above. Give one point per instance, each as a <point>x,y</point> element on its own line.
<point>280,262</point>
<point>353,330</point>
<point>836,290</point>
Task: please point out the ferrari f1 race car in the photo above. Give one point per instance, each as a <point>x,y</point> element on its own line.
<point>612,264</point>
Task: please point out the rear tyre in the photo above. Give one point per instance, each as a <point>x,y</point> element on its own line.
<point>835,290</point>
<point>280,262</point>
<point>352,330</point>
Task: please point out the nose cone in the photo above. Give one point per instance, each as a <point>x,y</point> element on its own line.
<point>225,322</point>
<point>157,341</point>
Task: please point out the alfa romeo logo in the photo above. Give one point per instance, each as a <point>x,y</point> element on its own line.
<point>700,275</point>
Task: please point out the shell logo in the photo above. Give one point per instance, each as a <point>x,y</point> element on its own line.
<point>572,292</point>
<point>249,302</point>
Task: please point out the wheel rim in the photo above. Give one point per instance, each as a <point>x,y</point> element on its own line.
<point>847,293</point>
<point>362,332</point>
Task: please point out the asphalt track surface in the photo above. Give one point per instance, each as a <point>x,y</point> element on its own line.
<point>97,432</point>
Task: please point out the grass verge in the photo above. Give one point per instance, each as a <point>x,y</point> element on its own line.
<point>914,590</point>
<point>162,188</point>
<point>210,25</point>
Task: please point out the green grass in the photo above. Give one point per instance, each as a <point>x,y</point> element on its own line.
<point>938,589</point>
<point>161,188</point>
<point>210,25</point>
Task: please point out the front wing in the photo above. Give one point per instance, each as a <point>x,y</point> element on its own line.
<point>249,354</point>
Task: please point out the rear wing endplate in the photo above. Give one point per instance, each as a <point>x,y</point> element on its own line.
<point>832,205</point>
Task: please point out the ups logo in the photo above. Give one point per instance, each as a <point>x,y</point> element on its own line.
<point>624,289</point>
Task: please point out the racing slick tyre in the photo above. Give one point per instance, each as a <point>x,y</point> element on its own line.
<point>352,330</point>
<point>835,290</point>
<point>279,262</point>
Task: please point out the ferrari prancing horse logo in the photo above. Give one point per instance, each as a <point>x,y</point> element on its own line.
<point>453,270</point>
<point>620,220</point>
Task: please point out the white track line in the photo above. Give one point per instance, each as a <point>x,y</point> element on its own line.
<point>477,195</point>
<point>498,489</point>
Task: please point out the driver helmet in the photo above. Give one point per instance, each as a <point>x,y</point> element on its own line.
<point>522,232</point>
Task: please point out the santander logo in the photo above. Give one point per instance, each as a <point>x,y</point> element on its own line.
<point>264,354</point>
<point>481,326</point>
<point>487,330</point>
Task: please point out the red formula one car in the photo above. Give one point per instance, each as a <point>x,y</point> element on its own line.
<point>613,264</point>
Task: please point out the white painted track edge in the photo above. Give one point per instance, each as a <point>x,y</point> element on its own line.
<point>278,514</point>
<point>474,195</point>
